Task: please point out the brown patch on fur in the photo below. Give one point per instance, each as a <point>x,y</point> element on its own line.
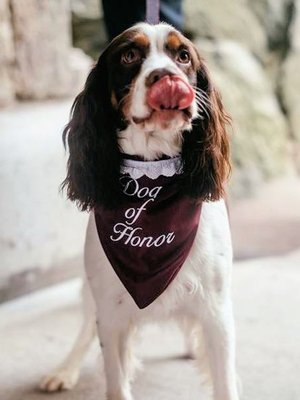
<point>174,41</point>
<point>142,40</point>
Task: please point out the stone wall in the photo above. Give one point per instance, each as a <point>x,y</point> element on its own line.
<point>289,83</point>
<point>7,55</point>
<point>38,60</point>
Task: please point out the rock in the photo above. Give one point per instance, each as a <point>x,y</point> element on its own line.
<point>89,35</point>
<point>259,7</point>
<point>88,26</point>
<point>232,19</point>
<point>86,9</point>
<point>7,55</point>
<point>275,16</point>
<point>42,42</point>
<point>290,92</point>
<point>260,132</point>
<point>289,85</point>
<point>43,47</point>
<point>80,64</point>
<point>295,27</point>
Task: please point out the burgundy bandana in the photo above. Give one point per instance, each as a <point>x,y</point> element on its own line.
<point>148,238</point>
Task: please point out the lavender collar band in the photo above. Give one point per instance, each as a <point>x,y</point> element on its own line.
<point>149,236</point>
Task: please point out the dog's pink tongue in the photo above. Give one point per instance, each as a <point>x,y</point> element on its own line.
<point>170,92</point>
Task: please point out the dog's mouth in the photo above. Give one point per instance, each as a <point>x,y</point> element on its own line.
<point>168,98</point>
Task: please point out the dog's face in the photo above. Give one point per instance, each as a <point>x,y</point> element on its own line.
<point>153,73</point>
<point>149,95</point>
<point>152,79</point>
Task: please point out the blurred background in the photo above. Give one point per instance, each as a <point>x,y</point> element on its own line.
<point>253,52</point>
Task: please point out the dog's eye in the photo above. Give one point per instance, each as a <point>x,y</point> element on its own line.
<point>131,56</point>
<point>183,56</point>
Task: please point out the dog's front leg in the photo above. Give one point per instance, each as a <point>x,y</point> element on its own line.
<point>113,342</point>
<point>219,336</point>
<point>66,375</point>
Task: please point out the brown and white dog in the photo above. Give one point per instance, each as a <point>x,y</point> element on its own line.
<point>150,96</point>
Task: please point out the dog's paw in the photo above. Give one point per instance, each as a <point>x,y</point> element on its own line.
<point>61,379</point>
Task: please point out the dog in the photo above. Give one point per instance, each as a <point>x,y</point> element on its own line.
<point>148,134</point>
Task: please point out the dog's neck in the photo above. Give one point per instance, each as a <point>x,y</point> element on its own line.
<point>150,145</point>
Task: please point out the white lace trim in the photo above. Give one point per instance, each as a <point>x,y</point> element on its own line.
<point>152,169</point>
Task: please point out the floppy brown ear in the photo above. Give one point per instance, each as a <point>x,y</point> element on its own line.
<point>205,153</point>
<point>94,160</point>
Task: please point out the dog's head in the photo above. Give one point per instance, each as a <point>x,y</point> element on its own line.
<point>149,95</point>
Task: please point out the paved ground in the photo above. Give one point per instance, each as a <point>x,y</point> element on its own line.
<point>269,223</point>
<point>38,329</point>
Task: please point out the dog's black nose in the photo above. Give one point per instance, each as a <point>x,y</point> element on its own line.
<point>156,75</point>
